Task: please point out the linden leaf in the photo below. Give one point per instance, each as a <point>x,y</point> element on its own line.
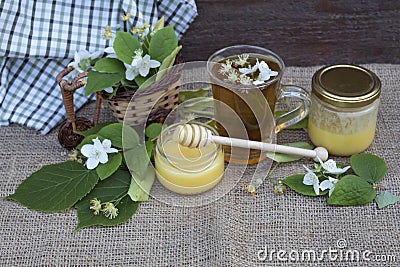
<point>153,130</point>
<point>368,166</point>
<point>105,170</point>
<point>114,188</point>
<point>120,135</point>
<point>295,182</point>
<point>55,187</point>
<point>279,157</point>
<point>385,199</point>
<point>352,190</point>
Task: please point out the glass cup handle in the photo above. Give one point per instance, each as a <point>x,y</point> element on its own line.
<point>298,113</point>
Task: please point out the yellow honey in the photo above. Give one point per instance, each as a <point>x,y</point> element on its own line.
<point>344,109</point>
<point>187,170</point>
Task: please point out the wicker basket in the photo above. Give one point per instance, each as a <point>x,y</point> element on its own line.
<point>131,107</point>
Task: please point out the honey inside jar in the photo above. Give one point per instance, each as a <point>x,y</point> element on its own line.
<point>187,170</point>
<point>343,113</point>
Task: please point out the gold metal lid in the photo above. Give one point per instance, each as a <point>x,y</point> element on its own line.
<point>346,85</point>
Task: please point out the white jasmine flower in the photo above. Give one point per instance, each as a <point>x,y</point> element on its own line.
<point>82,60</point>
<point>97,153</point>
<point>146,64</point>
<point>330,167</point>
<point>328,184</point>
<point>265,72</point>
<point>131,72</point>
<point>248,70</point>
<point>110,211</point>
<point>311,179</point>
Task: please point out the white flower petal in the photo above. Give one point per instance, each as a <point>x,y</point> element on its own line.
<point>103,157</point>
<point>154,63</point>
<point>309,179</point>
<point>106,143</point>
<point>92,163</point>
<point>111,150</point>
<point>316,188</point>
<point>97,144</point>
<point>87,150</point>
<point>326,184</point>
<point>144,70</point>
<point>109,90</point>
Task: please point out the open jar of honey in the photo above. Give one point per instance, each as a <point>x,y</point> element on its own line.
<point>344,108</point>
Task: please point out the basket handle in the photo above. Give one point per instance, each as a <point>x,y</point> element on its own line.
<point>67,92</point>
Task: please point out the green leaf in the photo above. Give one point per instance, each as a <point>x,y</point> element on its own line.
<point>153,130</point>
<point>303,124</point>
<point>163,43</point>
<point>111,189</point>
<point>385,199</point>
<point>352,190</point>
<point>125,46</point>
<point>97,81</point>
<point>368,166</point>
<point>295,182</point>
<point>105,170</point>
<point>149,147</point>
<point>109,65</point>
<point>93,130</point>
<point>279,157</point>
<point>116,132</point>
<point>167,62</point>
<point>139,190</point>
<point>55,187</point>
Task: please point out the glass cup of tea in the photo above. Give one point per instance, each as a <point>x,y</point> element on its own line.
<point>246,86</point>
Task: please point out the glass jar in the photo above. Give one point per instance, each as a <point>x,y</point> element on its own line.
<point>187,170</point>
<point>344,108</point>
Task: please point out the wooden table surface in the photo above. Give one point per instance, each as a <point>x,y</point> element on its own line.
<point>303,33</point>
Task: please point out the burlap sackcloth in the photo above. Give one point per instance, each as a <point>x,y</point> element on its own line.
<point>234,231</point>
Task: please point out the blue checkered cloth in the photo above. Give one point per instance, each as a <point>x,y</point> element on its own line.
<point>39,38</point>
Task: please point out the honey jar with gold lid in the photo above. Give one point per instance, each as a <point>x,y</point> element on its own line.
<point>344,108</point>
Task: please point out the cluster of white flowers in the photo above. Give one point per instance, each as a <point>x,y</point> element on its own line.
<point>97,153</point>
<point>330,168</point>
<point>140,65</point>
<point>246,75</point>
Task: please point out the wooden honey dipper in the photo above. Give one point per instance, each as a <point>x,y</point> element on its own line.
<point>194,135</point>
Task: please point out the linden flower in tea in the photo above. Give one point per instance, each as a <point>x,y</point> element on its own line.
<point>245,72</point>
